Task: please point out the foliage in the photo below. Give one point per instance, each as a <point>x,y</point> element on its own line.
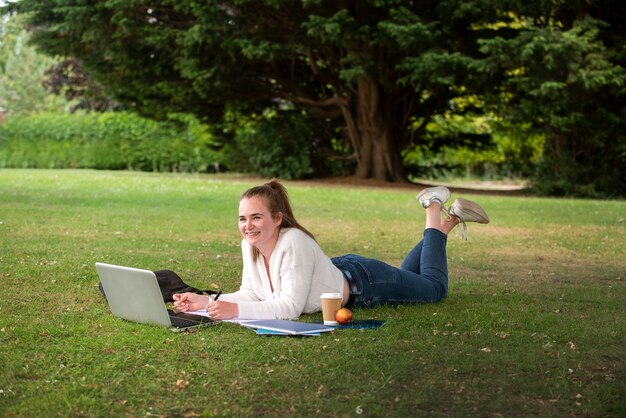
<point>566,78</point>
<point>285,143</point>
<point>375,65</point>
<point>473,146</point>
<point>108,141</point>
<point>385,69</point>
<point>68,78</point>
<point>21,72</point>
<point>532,326</point>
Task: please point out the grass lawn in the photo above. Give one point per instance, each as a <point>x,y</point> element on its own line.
<point>534,324</point>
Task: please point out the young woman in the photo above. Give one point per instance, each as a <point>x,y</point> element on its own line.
<point>285,271</point>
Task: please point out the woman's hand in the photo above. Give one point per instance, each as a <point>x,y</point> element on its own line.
<point>185,302</point>
<point>222,310</point>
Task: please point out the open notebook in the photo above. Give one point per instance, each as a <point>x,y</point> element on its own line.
<point>282,326</point>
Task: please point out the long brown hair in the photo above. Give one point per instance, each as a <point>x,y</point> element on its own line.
<point>277,201</point>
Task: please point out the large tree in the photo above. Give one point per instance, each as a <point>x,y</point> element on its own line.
<point>384,67</point>
<point>380,66</point>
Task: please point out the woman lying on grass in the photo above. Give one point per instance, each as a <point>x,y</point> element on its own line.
<point>285,271</point>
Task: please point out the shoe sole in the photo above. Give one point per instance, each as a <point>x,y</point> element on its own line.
<point>473,209</point>
<point>424,192</point>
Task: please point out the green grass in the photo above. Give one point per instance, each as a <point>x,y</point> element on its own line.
<point>534,324</point>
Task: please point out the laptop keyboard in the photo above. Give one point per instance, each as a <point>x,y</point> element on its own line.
<point>182,323</point>
<point>184,320</point>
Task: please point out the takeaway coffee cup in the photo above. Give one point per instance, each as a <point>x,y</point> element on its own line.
<point>331,303</point>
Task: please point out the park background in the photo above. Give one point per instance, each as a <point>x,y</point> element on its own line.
<point>388,90</point>
<point>146,120</point>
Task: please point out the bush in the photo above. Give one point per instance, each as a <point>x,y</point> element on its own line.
<point>594,170</point>
<point>474,147</point>
<point>277,146</point>
<point>107,141</point>
<point>282,143</point>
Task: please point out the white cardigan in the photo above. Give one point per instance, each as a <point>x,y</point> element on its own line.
<point>300,273</point>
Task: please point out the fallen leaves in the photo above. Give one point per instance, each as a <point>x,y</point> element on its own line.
<point>578,399</point>
<point>547,403</point>
<point>445,333</point>
<point>181,384</point>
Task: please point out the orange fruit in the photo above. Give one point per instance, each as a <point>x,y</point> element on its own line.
<point>343,316</point>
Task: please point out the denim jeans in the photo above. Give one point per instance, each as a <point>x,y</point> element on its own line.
<point>421,278</point>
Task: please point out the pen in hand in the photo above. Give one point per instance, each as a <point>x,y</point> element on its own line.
<point>214,299</point>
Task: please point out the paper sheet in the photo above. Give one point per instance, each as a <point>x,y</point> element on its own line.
<point>203,312</point>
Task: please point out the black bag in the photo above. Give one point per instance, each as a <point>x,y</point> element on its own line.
<point>170,283</point>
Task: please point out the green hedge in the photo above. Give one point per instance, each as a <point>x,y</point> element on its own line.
<point>107,141</point>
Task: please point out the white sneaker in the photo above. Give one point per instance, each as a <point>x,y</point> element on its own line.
<point>467,211</point>
<point>439,193</point>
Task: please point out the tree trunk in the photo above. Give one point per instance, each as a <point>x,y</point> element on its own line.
<point>372,130</point>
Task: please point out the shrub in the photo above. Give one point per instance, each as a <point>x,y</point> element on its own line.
<point>274,144</point>
<point>107,141</point>
<point>474,147</point>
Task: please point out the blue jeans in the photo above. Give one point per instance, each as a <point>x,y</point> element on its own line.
<point>421,278</point>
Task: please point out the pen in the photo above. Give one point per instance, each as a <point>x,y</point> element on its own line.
<point>217,296</point>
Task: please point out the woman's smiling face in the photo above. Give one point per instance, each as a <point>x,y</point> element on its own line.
<point>256,224</point>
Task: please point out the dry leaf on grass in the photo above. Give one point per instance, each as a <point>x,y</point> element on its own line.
<point>181,384</point>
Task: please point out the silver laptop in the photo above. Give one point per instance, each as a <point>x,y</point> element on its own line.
<point>134,295</point>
